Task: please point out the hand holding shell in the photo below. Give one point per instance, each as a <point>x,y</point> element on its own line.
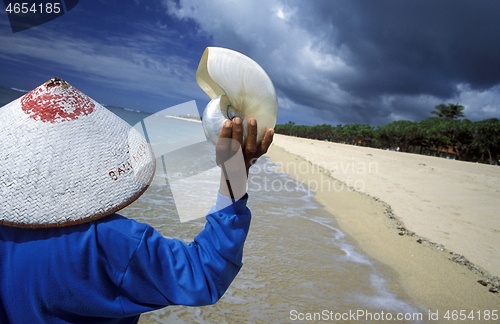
<point>238,86</point>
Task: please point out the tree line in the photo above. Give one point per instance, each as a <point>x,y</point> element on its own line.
<point>446,135</point>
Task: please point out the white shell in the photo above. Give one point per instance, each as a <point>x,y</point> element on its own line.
<point>238,86</point>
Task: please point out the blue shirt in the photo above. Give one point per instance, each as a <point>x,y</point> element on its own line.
<point>113,269</point>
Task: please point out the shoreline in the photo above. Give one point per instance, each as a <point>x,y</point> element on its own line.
<point>423,266</point>
<point>194,119</point>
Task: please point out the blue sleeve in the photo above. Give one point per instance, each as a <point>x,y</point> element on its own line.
<point>166,271</point>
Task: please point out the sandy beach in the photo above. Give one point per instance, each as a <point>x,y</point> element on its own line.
<point>411,212</point>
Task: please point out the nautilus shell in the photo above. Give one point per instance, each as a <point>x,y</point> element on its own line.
<point>238,86</point>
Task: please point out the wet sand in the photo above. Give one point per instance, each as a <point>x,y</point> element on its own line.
<point>413,213</point>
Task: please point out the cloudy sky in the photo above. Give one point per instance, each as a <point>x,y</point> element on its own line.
<point>333,62</point>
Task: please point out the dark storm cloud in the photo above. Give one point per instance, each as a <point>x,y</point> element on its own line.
<point>415,47</point>
<point>402,57</point>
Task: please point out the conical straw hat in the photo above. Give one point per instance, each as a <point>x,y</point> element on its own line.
<point>65,159</point>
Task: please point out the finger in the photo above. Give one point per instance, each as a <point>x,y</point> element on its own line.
<point>262,148</point>
<point>223,144</point>
<point>225,131</point>
<point>251,144</point>
<point>237,134</point>
<point>266,142</point>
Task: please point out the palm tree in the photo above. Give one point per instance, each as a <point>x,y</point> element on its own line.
<point>450,111</point>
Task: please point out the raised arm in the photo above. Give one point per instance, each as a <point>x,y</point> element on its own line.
<point>200,272</point>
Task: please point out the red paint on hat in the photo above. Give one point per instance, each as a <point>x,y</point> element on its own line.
<point>56,101</point>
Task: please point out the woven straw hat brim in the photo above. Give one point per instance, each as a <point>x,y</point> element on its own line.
<point>71,170</point>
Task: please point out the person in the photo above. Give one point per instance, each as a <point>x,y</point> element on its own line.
<point>111,269</point>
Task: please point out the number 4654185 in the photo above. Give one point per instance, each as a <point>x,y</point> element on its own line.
<point>40,8</point>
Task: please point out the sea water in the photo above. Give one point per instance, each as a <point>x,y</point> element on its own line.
<point>298,266</point>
